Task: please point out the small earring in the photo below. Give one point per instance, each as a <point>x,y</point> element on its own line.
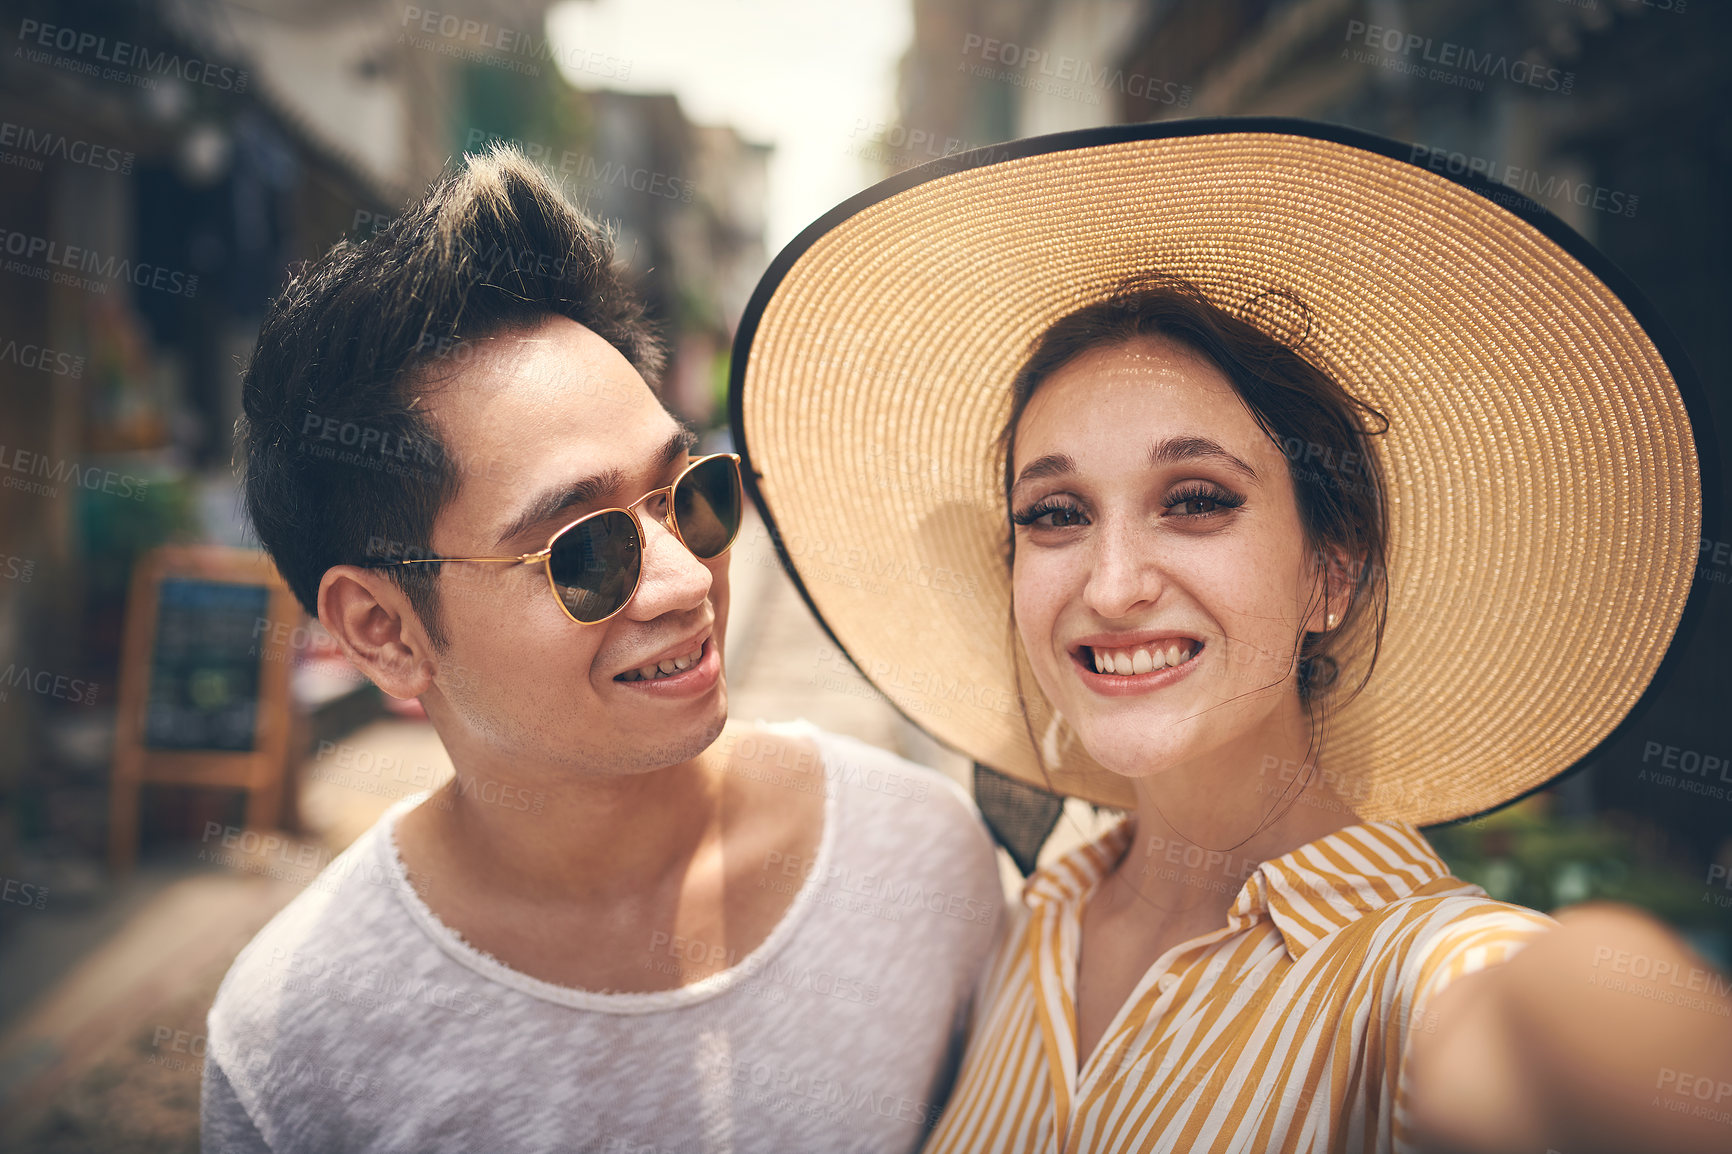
<point>1329,621</point>
<point>1049,745</point>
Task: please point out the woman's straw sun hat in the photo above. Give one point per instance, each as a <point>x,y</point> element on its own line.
<point>1543,464</point>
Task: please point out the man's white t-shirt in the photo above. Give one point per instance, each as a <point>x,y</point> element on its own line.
<point>356,1020</point>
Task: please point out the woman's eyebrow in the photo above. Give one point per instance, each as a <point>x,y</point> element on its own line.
<point>1051,465</point>
<point>1174,450</point>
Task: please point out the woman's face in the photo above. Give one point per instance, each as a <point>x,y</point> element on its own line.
<point>1157,539</point>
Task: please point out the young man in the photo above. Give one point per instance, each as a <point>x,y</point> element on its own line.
<point>625,925</point>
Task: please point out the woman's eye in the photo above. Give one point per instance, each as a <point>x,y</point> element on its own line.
<point>1203,503</point>
<point>1050,516</point>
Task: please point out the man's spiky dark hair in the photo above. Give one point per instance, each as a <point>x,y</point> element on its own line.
<point>340,461</point>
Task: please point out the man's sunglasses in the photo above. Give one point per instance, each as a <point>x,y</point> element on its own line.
<point>594,563</point>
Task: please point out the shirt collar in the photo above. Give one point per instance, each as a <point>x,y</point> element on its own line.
<point>1308,893</point>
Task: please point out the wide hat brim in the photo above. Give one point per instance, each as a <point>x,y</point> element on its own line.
<point>1544,473</point>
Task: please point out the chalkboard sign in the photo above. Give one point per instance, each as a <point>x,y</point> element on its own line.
<point>204,683</point>
<point>204,666</point>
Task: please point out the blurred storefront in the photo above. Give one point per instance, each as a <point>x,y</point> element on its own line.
<point>151,196</point>
<point>163,167</point>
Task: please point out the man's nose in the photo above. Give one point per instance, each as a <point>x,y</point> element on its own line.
<point>673,577</point>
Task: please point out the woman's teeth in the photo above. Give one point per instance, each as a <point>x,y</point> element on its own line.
<point>1144,658</point>
<point>665,669</point>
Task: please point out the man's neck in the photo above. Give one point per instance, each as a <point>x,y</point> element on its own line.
<point>581,893</point>
<point>567,839</point>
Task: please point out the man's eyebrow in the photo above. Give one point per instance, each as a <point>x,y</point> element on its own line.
<point>590,490</point>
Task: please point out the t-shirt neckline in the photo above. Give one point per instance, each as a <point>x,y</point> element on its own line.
<point>646,1002</point>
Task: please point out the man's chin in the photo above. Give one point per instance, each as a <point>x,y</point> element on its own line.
<point>672,744</point>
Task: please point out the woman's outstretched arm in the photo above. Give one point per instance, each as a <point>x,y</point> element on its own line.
<point>1608,1034</point>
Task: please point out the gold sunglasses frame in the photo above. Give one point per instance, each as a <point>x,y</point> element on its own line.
<point>545,556</point>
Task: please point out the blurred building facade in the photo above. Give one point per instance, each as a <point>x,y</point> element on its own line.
<point>163,166</point>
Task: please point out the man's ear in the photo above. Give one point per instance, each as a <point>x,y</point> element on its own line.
<point>371,620</point>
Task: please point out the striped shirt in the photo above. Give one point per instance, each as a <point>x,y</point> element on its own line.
<point>1286,1030</point>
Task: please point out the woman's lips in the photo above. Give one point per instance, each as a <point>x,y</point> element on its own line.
<point>1144,655</point>
<point>1152,677</point>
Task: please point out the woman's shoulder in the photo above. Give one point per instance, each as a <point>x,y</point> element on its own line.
<point>1450,910</point>
<point>1451,928</point>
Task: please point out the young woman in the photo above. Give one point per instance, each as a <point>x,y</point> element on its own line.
<point>1280,620</point>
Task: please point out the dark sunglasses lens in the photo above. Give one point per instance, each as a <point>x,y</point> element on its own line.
<point>595,565</point>
<point>707,506</point>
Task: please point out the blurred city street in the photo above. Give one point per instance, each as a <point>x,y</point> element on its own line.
<point>182,750</point>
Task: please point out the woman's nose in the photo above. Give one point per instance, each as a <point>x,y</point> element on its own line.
<point>1125,572</point>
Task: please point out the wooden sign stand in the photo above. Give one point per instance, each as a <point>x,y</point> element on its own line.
<point>160,738</point>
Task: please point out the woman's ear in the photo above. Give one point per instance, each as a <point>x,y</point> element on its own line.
<point>1340,574</point>
<point>371,620</point>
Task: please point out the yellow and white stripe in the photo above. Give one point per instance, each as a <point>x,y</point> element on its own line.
<point>1285,1031</point>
